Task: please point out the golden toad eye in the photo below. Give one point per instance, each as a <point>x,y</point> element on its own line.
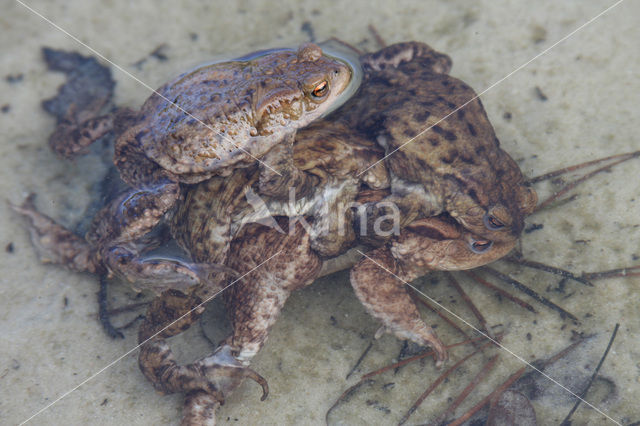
<point>320,90</point>
<point>480,246</point>
<point>492,223</point>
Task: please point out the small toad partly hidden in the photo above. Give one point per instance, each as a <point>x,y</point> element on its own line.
<point>460,200</point>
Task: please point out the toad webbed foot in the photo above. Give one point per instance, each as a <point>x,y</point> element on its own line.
<point>216,375</point>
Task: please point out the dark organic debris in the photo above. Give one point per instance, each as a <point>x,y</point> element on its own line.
<point>511,408</point>
<point>307,27</point>
<point>89,85</point>
<point>158,53</point>
<point>540,94</point>
<point>103,311</point>
<point>14,78</point>
<point>533,227</point>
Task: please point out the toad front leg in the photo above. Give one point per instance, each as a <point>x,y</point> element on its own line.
<point>114,244</point>
<point>378,283</point>
<point>436,243</point>
<point>279,174</point>
<point>263,257</point>
<point>116,232</point>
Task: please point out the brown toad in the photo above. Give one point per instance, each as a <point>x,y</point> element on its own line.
<point>328,157</point>
<point>204,123</point>
<point>441,150</point>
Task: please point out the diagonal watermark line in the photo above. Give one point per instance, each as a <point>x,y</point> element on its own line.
<point>101,56</point>
<point>494,85</point>
<point>112,363</point>
<point>494,341</point>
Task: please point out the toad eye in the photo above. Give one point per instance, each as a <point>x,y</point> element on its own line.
<point>480,246</point>
<point>321,90</point>
<point>492,223</point>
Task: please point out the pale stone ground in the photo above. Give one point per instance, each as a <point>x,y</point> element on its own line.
<point>51,340</point>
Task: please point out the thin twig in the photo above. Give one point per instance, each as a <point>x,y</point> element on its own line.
<point>486,369</point>
<point>345,396</point>
<point>502,292</point>
<point>357,364</point>
<point>523,288</point>
<point>613,273</point>
<point>366,378</point>
<point>377,36</point>
<point>565,422</point>
<point>437,382</point>
<point>546,268</point>
<point>469,302</point>
<point>506,384</point>
<point>423,355</point>
<point>127,308</point>
<point>132,322</point>
<point>575,167</point>
<point>568,187</point>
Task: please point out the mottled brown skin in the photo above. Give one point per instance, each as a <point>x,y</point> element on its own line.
<point>253,303</point>
<point>229,113</point>
<point>205,223</point>
<point>262,256</point>
<point>456,166</point>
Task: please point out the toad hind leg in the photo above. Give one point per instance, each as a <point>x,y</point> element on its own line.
<point>378,283</point>
<point>264,257</point>
<point>168,315</point>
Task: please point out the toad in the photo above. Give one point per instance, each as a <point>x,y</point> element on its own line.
<point>441,150</point>
<point>204,123</point>
<point>271,264</point>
